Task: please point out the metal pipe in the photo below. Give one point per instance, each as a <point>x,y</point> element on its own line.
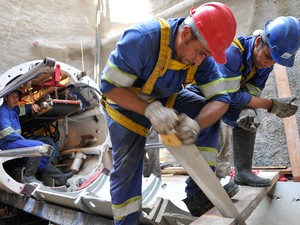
<point>47,63</point>
<point>97,45</point>
<point>42,150</point>
<point>179,10</point>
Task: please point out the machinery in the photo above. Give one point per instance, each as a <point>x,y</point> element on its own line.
<point>72,115</point>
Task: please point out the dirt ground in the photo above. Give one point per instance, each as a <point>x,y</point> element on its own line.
<point>66,31</point>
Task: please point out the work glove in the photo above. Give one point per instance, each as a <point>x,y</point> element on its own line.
<point>187,129</point>
<point>162,119</point>
<point>248,120</point>
<point>283,107</point>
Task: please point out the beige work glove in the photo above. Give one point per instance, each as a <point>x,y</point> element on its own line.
<point>163,119</point>
<point>187,129</point>
<point>283,107</point>
<point>248,120</point>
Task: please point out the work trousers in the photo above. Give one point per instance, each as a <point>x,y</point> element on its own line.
<point>128,155</point>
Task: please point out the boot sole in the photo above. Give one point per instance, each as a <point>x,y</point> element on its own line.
<point>251,184</point>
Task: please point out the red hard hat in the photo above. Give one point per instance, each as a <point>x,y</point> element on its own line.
<point>214,25</point>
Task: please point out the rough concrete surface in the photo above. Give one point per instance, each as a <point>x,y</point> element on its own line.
<point>66,31</point>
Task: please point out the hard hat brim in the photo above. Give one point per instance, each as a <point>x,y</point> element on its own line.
<point>219,57</point>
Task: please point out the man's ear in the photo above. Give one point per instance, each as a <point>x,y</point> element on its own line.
<point>258,40</point>
<point>186,33</point>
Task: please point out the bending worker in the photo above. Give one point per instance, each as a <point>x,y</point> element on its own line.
<point>142,81</point>
<point>250,60</point>
<point>11,138</point>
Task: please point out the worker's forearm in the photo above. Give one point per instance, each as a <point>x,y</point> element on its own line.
<point>262,103</point>
<point>211,113</point>
<point>127,99</point>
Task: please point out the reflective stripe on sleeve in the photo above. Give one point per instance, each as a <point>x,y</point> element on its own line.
<point>232,84</point>
<point>253,90</point>
<point>113,75</point>
<point>130,206</point>
<point>6,131</point>
<point>213,88</point>
<point>22,110</point>
<point>209,154</point>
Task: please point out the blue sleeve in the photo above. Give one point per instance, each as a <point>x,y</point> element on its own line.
<point>210,81</point>
<point>231,73</point>
<point>5,122</point>
<point>133,55</point>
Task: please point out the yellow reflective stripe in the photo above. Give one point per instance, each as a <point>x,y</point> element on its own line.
<point>125,121</point>
<point>114,75</point>
<point>232,84</point>
<point>176,65</point>
<point>165,62</point>
<point>209,154</point>
<point>6,131</point>
<point>249,76</point>
<point>22,110</point>
<point>238,44</point>
<point>253,90</point>
<point>171,100</point>
<point>130,206</point>
<point>18,132</point>
<point>164,56</point>
<point>190,76</point>
<point>213,88</point>
<point>244,79</point>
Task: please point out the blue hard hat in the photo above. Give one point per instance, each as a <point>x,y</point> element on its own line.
<point>282,35</point>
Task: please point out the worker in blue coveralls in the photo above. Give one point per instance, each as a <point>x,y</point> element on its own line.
<point>142,86</point>
<point>250,59</point>
<point>11,138</point>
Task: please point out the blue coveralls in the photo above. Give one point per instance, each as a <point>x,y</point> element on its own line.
<point>239,88</point>
<point>130,65</point>
<point>10,130</point>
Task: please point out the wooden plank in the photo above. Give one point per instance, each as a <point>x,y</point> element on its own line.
<point>290,123</point>
<point>192,160</point>
<point>246,200</point>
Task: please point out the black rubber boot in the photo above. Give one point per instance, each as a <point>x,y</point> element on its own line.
<point>243,147</point>
<point>200,204</point>
<point>31,168</point>
<point>59,177</point>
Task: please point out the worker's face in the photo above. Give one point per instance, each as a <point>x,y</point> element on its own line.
<point>12,99</point>
<point>189,49</point>
<point>261,55</point>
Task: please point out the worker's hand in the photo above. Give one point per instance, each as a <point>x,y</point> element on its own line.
<point>162,119</point>
<point>187,129</point>
<point>248,120</point>
<point>283,107</point>
<point>35,108</point>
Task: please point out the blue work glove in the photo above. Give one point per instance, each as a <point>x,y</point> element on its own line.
<point>248,120</point>
<point>283,107</point>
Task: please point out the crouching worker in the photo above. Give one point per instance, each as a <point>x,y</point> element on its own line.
<point>11,138</point>
<point>142,86</point>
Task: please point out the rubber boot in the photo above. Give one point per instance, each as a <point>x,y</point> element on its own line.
<point>243,147</point>
<point>59,177</point>
<point>200,204</point>
<point>31,167</point>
